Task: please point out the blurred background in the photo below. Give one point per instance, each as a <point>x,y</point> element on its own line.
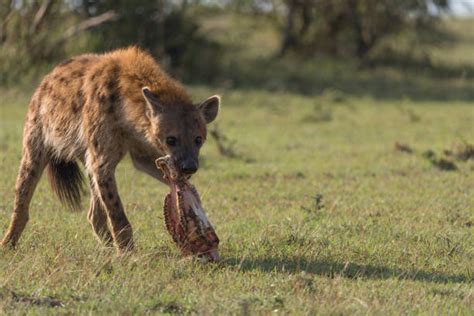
<point>381,48</point>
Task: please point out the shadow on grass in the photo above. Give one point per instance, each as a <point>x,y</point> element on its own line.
<point>389,80</point>
<point>346,270</point>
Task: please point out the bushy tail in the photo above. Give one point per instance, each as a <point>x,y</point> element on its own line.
<point>67,182</point>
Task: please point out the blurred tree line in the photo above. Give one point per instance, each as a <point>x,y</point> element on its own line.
<point>353,27</point>
<point>37,33</point>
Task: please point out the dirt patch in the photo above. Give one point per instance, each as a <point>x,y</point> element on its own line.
<point>445,161</point>
<point>442,163</point>
<point>404,148</point>
<point>15,297</point>
<point>461,152</point>
<point>168,308</point>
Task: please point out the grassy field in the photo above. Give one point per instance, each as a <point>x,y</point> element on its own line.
<point>317,209</point>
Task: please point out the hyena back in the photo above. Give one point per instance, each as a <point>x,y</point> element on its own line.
<point>95,109</point>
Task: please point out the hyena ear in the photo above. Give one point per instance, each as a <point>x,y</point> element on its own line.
<point>210,108</point>
<point>154,105</point>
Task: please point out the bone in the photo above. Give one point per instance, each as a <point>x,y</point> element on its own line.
<point>185,218</point>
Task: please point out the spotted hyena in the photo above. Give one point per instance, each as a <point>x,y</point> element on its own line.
<point>95,109</point>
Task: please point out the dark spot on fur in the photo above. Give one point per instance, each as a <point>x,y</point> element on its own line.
<point>44,86</point>
<point>97,73</point>
<point>110,195</point>
<point>117,205</point>
<point>117,216</point>
<point>113,97</point>
<point>76,74</point>
<point>75,108</point>
<point>103,184</point>
<point>102,99</point>
<point>101,166</point>
<point>112,100</point>
<point>111,85</point>
<point>80,97</point>
<point>96,144</point>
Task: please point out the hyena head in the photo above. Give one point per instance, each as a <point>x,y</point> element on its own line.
<point>180,129</point>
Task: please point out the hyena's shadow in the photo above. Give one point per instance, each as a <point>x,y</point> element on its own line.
<point>332,269</point>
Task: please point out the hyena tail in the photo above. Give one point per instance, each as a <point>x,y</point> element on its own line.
<point>67,182</point>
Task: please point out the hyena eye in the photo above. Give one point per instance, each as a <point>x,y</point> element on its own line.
<point>171,141</point>
<point>198,141</point>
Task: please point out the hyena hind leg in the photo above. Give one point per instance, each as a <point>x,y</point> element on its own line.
<point>32,166</point>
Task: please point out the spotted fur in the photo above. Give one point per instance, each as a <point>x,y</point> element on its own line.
<point>94,109</point>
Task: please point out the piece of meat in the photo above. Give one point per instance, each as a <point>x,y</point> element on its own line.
<point>185,218</point>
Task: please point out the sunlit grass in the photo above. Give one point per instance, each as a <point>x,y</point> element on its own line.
<point>318,213</point>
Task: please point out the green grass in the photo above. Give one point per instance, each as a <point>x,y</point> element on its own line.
<point>392,234</point>
<point>318,213</point>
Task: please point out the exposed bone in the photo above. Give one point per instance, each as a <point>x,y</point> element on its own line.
<point>185,218</point>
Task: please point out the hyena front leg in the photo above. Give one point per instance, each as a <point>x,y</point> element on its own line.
<point>147,164</point>
<point>104,185</point>
<point>32,165</point>
<point>97,217</point>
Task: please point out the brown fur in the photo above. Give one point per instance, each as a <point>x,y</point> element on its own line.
<point>95,109</point>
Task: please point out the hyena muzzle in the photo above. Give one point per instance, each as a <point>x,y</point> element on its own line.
<point>95,109</point>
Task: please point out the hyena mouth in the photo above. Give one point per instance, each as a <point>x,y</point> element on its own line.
<point>185,218</point>
<point>174,168</point>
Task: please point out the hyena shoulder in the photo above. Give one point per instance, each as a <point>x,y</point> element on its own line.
<point>105,78</point>
<point>138,69</point>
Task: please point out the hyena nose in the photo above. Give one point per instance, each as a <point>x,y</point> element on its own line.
<point>188,166</point>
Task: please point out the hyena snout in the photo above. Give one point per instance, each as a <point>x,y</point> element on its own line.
<point>188,165</point>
